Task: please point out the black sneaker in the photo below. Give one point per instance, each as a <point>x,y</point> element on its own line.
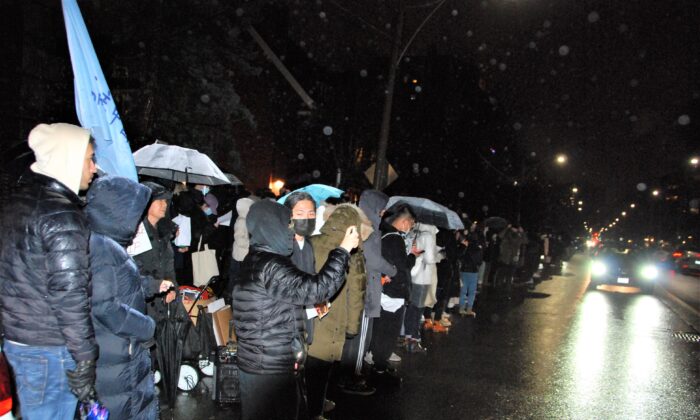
<point>359,388</point>
<point>387,377</point>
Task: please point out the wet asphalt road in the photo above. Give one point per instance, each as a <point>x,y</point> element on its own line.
<point>559,352</point>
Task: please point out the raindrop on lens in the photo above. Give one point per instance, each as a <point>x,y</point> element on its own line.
<point>593,17</point>
<point>455,12</point>
<point>564,50</point>
<point>502,67</point>
<point>418,89</point>
<point>300,156</point>
<point>641,186</point>
<point>205,98</point>
<point>316,173</point>
<point>363,73</point>
<point>684,119</point>
<point>460,194</point>
<point>328,130</point>
<point>426,170</point>
<point>322,15</point>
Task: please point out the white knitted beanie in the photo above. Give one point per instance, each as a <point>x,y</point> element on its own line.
<point>59,150</point>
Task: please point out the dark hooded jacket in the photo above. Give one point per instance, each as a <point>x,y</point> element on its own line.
<point>44,275</point>
<point>270,291</point>
<point>124,380</point>
<point>372,202</point>
<point>394,251</point>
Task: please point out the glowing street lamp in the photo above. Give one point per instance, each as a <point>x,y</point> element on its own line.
<point>694,161</point>
<point>633,205</point>
<point>624,213</point>
<point>561,159</point>
<point>574,190</point>
<point>655,193</point>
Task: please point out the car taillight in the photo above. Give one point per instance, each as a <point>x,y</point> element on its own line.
<point>5,389</point>
<point>677,254</point>
<point>697,255</point>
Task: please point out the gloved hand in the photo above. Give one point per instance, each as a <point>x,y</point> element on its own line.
<point>81,381</point>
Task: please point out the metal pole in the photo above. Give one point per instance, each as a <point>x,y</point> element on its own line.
<point>281,67</point>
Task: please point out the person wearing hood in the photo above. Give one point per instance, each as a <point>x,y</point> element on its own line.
<point>124,332</point>
<point>344,312</point>
<point>267,300</point>
<point>44,276</point>
<point>241,242</point>
<point>372,203</point>
<point>158,262</point>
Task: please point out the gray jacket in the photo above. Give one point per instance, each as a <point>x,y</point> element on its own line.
<point>372,202</point>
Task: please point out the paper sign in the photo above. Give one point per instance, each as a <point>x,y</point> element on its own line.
<point>225,220</point>
<point>319,310</point>
<point>141,243</point>
<point>184,236</point>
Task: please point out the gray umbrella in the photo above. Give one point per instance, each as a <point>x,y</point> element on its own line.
<point>178,164</point>
<point>429,212</point>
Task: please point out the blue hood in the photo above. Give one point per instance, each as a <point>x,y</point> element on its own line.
<point>115,206</point>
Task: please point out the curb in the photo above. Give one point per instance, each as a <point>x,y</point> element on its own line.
<point>685,311</point>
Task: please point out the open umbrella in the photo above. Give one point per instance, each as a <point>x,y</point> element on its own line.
<point>178,164</point>
<point>429,212</point>
<point>496,223</point>
<point>319,192</point>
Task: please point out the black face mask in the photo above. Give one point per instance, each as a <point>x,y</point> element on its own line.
<point>304,227</point>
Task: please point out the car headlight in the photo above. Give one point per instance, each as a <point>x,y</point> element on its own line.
<point>598,268</point>
<point>650,272</point>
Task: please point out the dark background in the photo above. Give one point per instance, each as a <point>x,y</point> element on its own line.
<point>487,95</point>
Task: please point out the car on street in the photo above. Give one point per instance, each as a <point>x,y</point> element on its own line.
<point>686,260</point>
<point>624,267</point>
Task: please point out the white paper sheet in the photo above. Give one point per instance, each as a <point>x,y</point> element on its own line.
<point>391,304</point>
<point>184,238</point>
<point>225,220</point>
<point>141,243</point>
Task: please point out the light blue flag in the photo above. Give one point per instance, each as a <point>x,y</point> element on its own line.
<point>96,109</point>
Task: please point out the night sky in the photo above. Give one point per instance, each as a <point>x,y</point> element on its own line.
<point>611,84</point>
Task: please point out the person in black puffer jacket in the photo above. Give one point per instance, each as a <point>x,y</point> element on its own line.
<point>44,275</point>
<point>124,332</point>
<point>266,299</point>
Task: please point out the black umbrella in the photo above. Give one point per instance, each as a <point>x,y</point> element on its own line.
<point>496,223</point>
<point>170,337</point>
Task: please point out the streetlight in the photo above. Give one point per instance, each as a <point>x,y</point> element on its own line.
<point>655,193</point>
<point>694,161</point>
<point>574,190</point>
<point>633,205</point>
<point>561,159</point>
<point>580,203</point>
<point>624,213</point>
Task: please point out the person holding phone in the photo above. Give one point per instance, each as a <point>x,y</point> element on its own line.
<point>268,323</point>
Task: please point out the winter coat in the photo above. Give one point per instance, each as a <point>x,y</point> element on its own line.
<point>270,290</point>
<point>372,202</point>
<point>471,256</point>
<point>124,380</point>
<point>159,262</point>
<point>345,314</point>
<point>240,232</point>
<point>44,267</point>
<point>509,252</point>
<point>424,271</point>
<point>394,251</point>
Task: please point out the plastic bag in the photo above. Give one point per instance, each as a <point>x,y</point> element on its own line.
<point>93,411</point>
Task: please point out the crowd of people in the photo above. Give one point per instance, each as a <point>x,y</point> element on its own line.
<point>319,289</point>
